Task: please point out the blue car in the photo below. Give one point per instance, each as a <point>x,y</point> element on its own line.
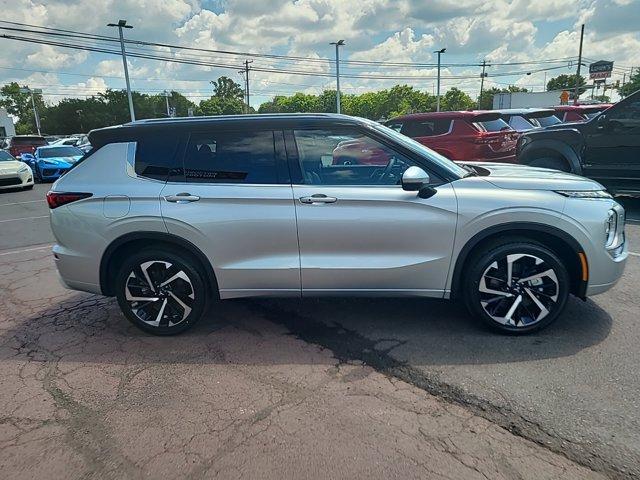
<point>49,163</point>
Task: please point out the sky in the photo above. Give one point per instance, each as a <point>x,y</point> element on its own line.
<point>524,41</point>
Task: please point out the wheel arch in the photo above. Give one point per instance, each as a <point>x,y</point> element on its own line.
<point>559,241</point>
<point>540,148</point>
<point>114,255</point>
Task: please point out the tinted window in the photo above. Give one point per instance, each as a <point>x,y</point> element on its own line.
<point>156,155</point>
<point>425,128</point>
<point>492,125</point>
<point>60,152</point>
<point>347,157</point>
<point>519,123</point>
<point>5,157</point>
<point>545,121</point>
<point>231,157</point>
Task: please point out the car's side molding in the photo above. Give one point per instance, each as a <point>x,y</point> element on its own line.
<point>518,228</point>
<point>150,236</point>
<point>526,155</point>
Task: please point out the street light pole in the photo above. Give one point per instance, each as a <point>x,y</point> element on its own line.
<point>439,52</point>
<point>123,24</point>
<point>36,117</point>
<point>482,77</point>
<point>577,87</point>
<point>338,44</point>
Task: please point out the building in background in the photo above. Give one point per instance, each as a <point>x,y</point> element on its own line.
<point>6,124</point>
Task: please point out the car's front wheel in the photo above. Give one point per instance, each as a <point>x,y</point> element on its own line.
<point>161,292</point>
<point>516,286</point>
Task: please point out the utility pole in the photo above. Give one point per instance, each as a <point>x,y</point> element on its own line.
<point>36,117</point>
<point>245,70</point>
<point>123,24</point>
<point>338,44</point>
<point>482,77</point>
<point>439,52</point>
<point>577,89</point>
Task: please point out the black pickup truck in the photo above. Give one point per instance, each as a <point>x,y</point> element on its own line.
<point>606,148</point>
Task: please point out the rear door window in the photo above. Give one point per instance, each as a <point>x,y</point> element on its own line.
<point>231,157</point>
<point>157,155</point>
<point>545,121</point>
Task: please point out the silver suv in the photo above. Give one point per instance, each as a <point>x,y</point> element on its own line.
<point>169,215</point>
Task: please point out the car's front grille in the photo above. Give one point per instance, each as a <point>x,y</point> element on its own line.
<point>5,182</point>
<point>48,172</point>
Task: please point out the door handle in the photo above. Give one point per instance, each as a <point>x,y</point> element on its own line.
<point>318,198</point>
<point>182,198</point>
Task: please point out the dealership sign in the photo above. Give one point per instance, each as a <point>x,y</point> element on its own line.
<point>600,69</point>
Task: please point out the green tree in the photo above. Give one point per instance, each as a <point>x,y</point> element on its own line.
<point>226,88</point>
<point>567,82</point>
<point>456,99</point>
<point>633,85</point>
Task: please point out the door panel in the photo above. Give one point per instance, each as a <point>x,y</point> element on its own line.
<point>248,232</point>
<point>236,204</point>
<point>612,147</point>
<point>359,231</point>
<point>376,239</point>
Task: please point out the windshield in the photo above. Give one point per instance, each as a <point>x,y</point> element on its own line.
<point>5,157</point>
<point>545,121</point>
<point>420,149</point>
<point>60,152</point>
<point>28,141</point>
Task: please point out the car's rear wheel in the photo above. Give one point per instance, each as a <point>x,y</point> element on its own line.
<point>161,292</point>
<point>551,162</point>
<point>516,286</point>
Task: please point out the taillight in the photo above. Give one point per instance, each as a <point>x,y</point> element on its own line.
<point>57,199</point>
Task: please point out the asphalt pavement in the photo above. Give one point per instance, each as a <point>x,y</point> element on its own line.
<point>573,389</point>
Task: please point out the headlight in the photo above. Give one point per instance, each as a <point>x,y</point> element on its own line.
<point>610,228</point>
<point>23,168</point>
<point>614,231</point>
<point>585,193</point>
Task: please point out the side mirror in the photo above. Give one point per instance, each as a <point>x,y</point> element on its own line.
<point>414,178</point>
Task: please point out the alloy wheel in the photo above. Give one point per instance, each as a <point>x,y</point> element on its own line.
<point>519,290</point>
<point>159,293</point>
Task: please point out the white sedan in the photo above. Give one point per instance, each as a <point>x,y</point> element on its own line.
<point>14,173</point>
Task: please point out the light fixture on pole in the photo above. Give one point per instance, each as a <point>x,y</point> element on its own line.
<point>36,117</point>
<point>123,24</point>
<point>439,52</point>
<point>338,44</point>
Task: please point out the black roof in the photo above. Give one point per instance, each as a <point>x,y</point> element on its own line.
<point>131,131</point>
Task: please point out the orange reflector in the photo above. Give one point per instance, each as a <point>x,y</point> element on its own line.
<point>585,268</point>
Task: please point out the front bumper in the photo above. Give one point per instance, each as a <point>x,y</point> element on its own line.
<point>51,173</point>
<point>17,180</point>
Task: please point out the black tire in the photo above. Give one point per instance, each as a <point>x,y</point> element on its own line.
<point>491,264</point>
<point>554,163</point>
<point>172,301</point>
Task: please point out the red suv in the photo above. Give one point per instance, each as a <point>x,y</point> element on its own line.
<point>25,144</point>
<point>466,135</point>
<point>579,113</point>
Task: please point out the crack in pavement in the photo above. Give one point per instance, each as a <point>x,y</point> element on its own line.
<point>349,345</point>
